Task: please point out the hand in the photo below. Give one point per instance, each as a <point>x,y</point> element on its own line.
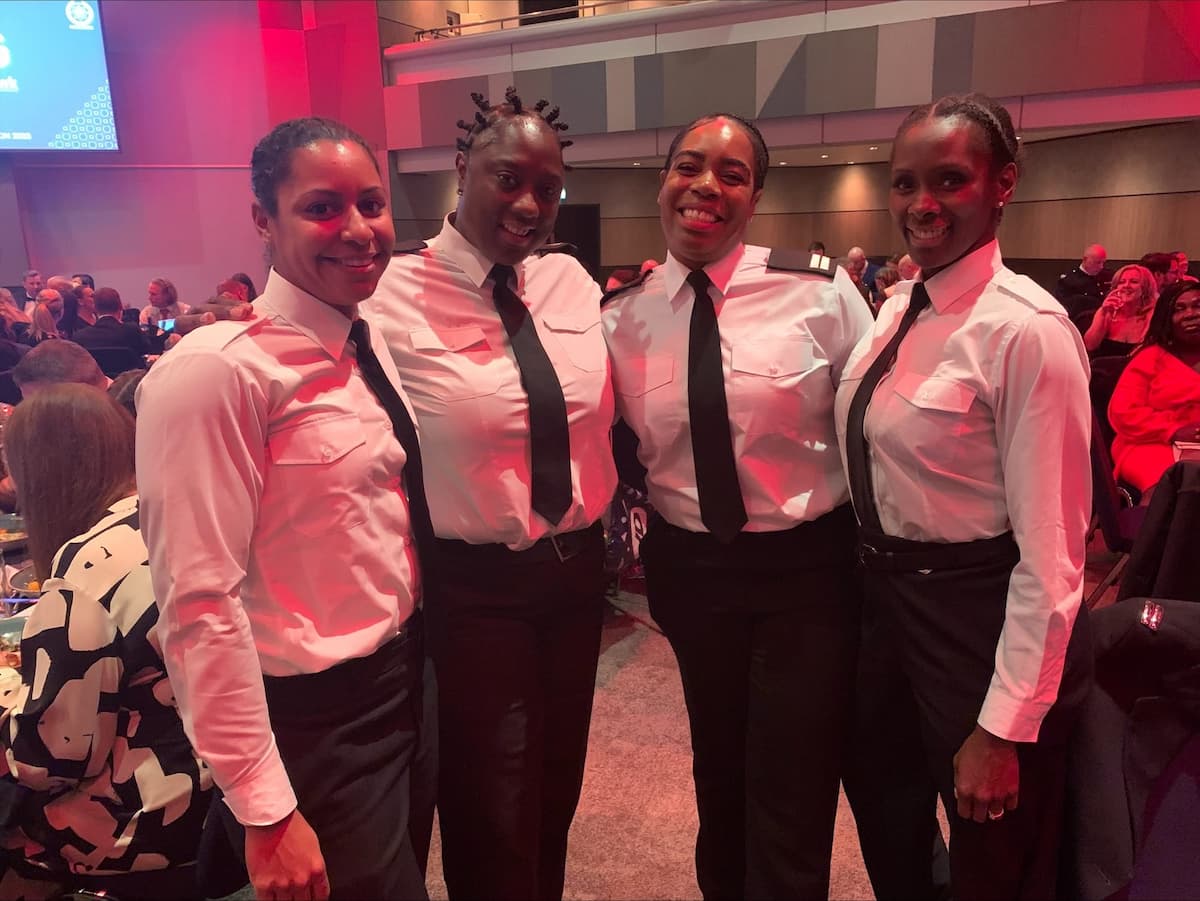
<point>986,776</point>
<point>284,861</point>
<point>1189,432</point>
<point>220,307</point>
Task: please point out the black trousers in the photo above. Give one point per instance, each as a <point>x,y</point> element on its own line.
<point>515,638</point>
<point>359,742</point>
<point>764,630</point>
<point>931,623</point>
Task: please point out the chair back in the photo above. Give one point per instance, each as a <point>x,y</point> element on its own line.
<point>1106,372</point>
<point>1107,500</point>
<point>9,392</point>
<point>115,360</point>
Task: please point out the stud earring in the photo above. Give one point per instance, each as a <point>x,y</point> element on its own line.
<point>1000,204</point>
<point>460,192</point>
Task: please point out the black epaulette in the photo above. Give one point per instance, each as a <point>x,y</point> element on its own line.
<point>621,289</point>
<point>408,247</point>
<point>802,261</point>
<point>560,247</point>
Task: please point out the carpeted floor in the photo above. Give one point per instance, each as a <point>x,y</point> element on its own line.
<point>634,833</point>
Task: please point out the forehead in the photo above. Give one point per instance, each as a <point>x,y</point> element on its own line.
<point>1190,297</point>
<point>721,138</point>
<point>330,164</point>
<point>938,141</point>
<point>519,137</point>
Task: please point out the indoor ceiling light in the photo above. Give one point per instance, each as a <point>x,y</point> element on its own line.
<point>872,147</point>
<point>824,156</point>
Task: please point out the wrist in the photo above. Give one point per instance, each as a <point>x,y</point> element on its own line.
<point>271,828</point>
<point>993,739</point>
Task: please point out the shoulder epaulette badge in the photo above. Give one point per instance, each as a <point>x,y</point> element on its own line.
<point>802,261</point>
<point>408,247</point>
<point>621,289</point>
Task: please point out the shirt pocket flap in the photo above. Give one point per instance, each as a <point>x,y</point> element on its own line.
<point>317,441</point>
<point>575,325</point>
<point>945,395</point>
<point>448,339</point>
<point>639,377</point>
<point>773,358</point>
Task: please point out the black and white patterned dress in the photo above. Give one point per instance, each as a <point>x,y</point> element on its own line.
<point>93,729</point>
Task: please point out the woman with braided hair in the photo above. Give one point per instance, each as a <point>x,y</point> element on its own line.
<point>964,422</point>
<point>499,348</point>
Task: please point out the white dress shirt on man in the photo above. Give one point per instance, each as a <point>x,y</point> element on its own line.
<point>982,426</point>
<point>278,532</point>
<point>437,314</point>
<point>785,337</point>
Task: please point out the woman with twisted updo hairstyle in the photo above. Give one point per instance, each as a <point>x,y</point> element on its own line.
<point>496,340</point>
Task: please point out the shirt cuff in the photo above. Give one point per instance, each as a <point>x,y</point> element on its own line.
<point>264,796</point>
<point>1013,719</point>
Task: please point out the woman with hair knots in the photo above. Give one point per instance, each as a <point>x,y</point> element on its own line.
<point>725,363</point>
<point>965,423</point>
<point>498,344</point>
<point>1157,399</point>
<point>118,796</point>
<point>285,565</point>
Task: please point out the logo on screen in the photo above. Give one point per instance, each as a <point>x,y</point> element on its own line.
<point>5,54</point>
<point>80,15</point>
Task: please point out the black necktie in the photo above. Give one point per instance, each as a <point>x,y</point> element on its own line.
<point>405,431</point>
<point>549,440</point>
<point>857,461</point>
<point>721,508</point>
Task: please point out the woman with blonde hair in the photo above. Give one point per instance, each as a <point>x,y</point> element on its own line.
<point>10,312</point>
<point>1120,324</point>
<point>43,325</point>
<point>93,733</point>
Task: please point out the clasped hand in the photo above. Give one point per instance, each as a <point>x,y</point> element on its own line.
<point>986,776</point>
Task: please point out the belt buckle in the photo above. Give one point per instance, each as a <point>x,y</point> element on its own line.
<point>563,555</point>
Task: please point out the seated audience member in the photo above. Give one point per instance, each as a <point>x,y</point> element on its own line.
<point>908,269</point>
<point>1181,267</point>
<point>124,388</point>
<point>109,330</point>
<point>817,247</point>
<point>1162,266</point>
<point>44,320</point>
<point>55,362</point>
<point>618,278</point>
<point>1157,399</point>
<point>1120,324</point>
<point>1084,287</point>
<point>164,303</point>
<point>31,284</point>
<point>251,291</point>
<point>12,312</point>
<point>233,289</point>
<point>117,795</point>
<point>78,310</point>
<point>861,270</point>
<point>83,279</point>
<point>886,280</point>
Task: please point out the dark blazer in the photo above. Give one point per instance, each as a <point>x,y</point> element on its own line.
<point>108,332</point>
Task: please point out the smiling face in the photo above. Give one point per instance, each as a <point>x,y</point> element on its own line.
<point>333,234</point>
<point>511,181</point>
<point>1185,319</point>
<point>707,193</point>
<point>944,194</point>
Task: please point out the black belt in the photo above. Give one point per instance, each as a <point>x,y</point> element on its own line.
<point>886,553</point>
<point>560,548</point>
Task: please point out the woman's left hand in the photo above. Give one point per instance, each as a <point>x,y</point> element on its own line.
<point>986,776</point>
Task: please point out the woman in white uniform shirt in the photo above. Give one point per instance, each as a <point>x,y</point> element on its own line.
<point>283,561</point>
<point>971,482</point>
<point>725,361</point>
<point>500,350</point>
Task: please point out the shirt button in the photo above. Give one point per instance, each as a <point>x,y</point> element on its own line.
<point>774,370</point>
<point>327,453</point>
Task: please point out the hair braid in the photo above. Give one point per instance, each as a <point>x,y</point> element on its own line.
<point>489,116</point>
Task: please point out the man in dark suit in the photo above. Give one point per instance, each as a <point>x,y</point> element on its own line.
<point>109,330</point>
<point>31,284</point>
<point>1085,286</point>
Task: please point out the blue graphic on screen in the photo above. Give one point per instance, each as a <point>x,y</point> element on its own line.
<point>54,91</point>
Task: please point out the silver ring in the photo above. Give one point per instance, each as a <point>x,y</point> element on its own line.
<point>995,815</point>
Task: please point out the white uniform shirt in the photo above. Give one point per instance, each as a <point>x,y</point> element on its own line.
<point>439,319</point>
<point>982,426</point>
<point>785,337</point>
<point>278,532</point>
